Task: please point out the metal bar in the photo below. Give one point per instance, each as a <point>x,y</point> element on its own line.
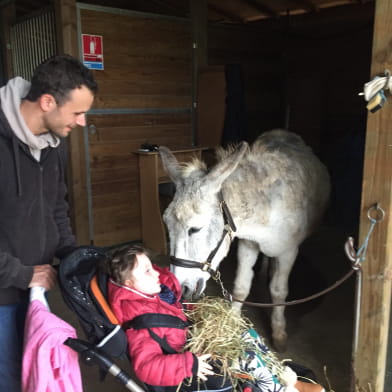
<point>33,40</point>
<point>140,111</point>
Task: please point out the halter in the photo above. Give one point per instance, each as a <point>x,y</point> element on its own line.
<point>229,228</point>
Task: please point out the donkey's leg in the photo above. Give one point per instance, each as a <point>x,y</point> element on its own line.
<point>279,290</point>
<point>247,253</point>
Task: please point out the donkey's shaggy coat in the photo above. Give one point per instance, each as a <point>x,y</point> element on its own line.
<point>276,191</point>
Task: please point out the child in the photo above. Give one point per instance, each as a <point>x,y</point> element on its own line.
<point>136,287</point>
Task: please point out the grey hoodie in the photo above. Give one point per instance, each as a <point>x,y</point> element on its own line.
<point>11,96</point>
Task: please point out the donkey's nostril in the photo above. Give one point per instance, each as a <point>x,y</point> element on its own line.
<point>186,292</point>
<point>199,288</point>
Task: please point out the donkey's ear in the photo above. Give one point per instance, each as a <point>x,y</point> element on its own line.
<point>170,164</point>
<point>224,168</point>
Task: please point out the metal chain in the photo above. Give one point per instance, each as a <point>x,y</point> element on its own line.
<point>225,293</point>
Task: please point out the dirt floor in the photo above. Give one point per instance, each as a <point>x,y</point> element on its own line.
<point>320,332</point>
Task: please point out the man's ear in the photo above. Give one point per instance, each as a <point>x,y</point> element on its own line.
<point>47,102</point>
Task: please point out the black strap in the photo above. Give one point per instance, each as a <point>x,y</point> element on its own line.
<point>165,346</point>
<point>156,320</point>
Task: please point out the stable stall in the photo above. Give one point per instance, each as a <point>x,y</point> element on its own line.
<point>198,73</point>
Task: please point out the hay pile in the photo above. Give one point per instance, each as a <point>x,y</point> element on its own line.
<point>217,329</point>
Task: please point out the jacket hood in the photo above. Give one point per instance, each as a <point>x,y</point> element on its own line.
<point>118,294</point>
<point>15,128</point>
<point>11,96</point>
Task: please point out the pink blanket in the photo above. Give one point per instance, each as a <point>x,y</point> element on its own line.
<point>48,365</point>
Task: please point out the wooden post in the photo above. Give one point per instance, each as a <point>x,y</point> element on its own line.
<point>370,356</point>
<point>67,41</point>
<point>198,12</point>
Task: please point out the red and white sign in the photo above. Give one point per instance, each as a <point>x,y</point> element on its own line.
<point>92,51</point>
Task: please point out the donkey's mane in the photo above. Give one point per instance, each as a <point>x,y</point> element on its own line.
<point>193,166</point>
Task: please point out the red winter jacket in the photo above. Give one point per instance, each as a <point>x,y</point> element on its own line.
<point>150,364</point>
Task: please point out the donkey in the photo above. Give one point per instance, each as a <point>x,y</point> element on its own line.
<point>275,191</point>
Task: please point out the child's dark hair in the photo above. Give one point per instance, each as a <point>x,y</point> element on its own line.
<point>58,76</point>
<point>122,261</point>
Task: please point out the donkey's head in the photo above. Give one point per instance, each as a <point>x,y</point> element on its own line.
<point>194,218</point>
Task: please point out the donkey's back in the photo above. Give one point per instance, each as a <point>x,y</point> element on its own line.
<point>279,185</point>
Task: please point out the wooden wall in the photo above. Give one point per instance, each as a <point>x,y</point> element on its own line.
<point>144,96</point>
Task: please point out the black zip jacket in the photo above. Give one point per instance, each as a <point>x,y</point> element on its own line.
<point>34,222</point>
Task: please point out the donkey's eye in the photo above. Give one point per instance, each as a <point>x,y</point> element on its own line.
<point>193,230</point>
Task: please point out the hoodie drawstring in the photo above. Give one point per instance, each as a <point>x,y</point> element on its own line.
<point>15,147</point>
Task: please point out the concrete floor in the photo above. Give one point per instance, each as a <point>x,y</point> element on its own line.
<point>320,331</point>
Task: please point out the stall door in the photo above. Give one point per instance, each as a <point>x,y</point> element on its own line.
<point>144,97</point>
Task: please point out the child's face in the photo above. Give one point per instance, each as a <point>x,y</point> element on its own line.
<point>143,277</point>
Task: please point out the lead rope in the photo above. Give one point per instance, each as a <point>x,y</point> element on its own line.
<point>356,257</point>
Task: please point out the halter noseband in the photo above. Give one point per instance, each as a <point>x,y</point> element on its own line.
<point>229,228</point>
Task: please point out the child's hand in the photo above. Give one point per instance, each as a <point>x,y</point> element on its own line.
<point>204,369</point>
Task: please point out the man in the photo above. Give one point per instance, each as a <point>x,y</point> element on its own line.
<point>34,223</point>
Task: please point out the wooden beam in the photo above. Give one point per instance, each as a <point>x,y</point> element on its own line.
<point>263,8</point>
<point>370,355</point>
<point>198,11</point>
<point>308,5</point>
<point>229,15</point>
<point>67,41</point>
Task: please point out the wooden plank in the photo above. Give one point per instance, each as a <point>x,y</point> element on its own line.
<point>142,101</point>
<point>124,199</point>
<point>370,357</point>
<point>143,133</point>
<point>114,215</point>
<point>116,218</point>
<point>139,119</point>
<point>148,87</point>
<point>110,187</point>
<point>110,175</point>
<point>137,30</point>
<point>153,229</point>
<point>119,236</point>
<point>152,70</point>
<point>111,162</point>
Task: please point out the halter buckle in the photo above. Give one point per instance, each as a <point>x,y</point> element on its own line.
<point>206,266</point>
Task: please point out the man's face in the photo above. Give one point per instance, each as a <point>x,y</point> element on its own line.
<point>62,119</point>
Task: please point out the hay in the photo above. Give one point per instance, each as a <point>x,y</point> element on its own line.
<point>218,329</point>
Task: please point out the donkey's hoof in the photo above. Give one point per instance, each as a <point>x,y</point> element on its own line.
<point>280,343</point>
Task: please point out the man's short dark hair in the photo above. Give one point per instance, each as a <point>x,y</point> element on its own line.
<point>58,76</point>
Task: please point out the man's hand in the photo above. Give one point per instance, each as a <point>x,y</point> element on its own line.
<point>43,276</point>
